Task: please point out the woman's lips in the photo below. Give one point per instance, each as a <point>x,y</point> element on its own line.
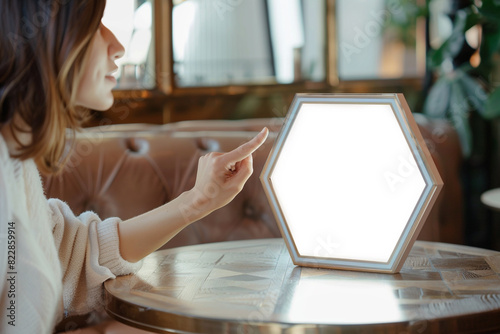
<point>111,79</point>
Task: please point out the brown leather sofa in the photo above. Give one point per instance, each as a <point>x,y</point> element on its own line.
<point>125,170</point>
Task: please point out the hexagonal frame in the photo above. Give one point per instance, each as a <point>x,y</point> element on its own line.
<point>423,159</point>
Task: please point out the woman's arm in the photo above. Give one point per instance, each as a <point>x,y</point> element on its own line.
<point>220,177</point>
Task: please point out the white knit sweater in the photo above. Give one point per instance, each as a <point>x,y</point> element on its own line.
<point>60,260</point>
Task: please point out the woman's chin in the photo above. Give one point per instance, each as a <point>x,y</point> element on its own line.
<point>99,104</point>
<point>104,106</point>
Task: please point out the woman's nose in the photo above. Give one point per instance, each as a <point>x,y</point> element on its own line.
<point>115,48</point>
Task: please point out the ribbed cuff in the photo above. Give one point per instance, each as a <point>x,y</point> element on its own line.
<point>109,249</point>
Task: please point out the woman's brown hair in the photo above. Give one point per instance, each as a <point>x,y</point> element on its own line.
<point>43,47</point>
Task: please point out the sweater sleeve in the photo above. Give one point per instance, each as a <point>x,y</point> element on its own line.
<point>89,253</point>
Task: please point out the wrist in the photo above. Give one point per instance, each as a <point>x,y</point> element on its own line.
<point>194,205</point>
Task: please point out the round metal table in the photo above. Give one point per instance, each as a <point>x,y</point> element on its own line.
<point>253,287</point>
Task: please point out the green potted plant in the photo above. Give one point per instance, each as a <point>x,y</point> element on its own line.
<point>461,88</point>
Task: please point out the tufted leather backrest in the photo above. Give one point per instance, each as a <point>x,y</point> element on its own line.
<point>125,170</point>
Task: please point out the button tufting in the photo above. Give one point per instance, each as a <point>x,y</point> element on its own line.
<point>136,145</point>
<point>207,144</point>
<point>250,211</point>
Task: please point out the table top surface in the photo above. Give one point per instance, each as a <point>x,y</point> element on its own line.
<point>491,198</point>
<point>252,286</point>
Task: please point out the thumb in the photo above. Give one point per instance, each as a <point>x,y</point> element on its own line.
<point>243,172</point>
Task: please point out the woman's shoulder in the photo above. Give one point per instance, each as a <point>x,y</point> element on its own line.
<point>10,166</point>
<point>4,152</point>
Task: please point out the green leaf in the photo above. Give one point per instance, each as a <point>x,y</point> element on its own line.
<point>490,41</point>
<point>457,38</point>
<point>452,46</point>
<point>462,126</point>
<point>472,19</point>
<point>492,108</point>
<point>459,117</point>
<point>490,9</point>
<point>436,57</point>
<point>474,93</point>
<point>458,101</point>
<point>438,99</point>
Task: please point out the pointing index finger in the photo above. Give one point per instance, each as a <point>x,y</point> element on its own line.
<point>247,148</point>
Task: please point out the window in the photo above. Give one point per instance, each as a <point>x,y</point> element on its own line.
<point>136,68</point>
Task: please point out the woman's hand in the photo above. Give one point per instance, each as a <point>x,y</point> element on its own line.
<point>221,176</point>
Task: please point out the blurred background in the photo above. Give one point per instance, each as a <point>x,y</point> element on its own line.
<point>240,59</point>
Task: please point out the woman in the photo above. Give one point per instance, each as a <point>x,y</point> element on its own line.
<point>56,61</point>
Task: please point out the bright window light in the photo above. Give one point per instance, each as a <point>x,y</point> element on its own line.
<point>132,23</point>
<point>287,33</point>
<point>183,16</point>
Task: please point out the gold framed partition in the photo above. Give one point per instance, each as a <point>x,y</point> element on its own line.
<point>166,101</point>
<point>170,87</point>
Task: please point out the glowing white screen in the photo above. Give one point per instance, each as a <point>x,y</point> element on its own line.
<point>346,181</point>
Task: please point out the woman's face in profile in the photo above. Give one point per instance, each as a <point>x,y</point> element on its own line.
<point>94,90</point>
